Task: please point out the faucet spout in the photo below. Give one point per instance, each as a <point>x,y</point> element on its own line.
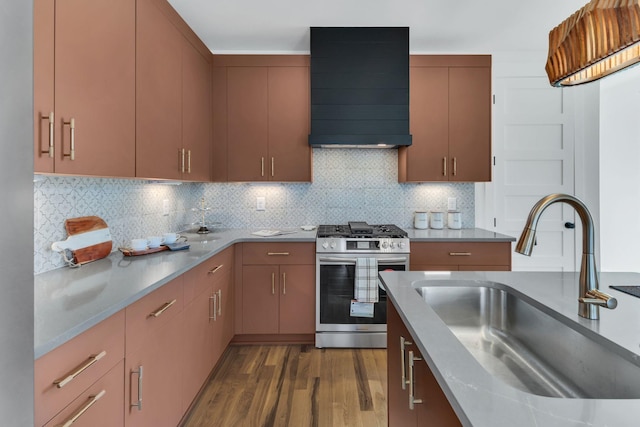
<point>590,298</point>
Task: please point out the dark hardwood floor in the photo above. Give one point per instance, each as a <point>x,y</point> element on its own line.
<point>294,385</point>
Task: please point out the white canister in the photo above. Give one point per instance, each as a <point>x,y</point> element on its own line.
<point>454,220</point>
<point>421,220</point>
<point>437,220</point>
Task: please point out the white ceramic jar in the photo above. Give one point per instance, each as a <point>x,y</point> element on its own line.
<point>437,220</point>
<point>454,220</point>
<point>421,220</point>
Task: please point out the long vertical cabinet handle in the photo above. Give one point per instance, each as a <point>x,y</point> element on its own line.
<point>261,166</point>
<point>444,166</point>
<point>72,136</point>
<point>50,151</point>
<point>455,166</point>
<point>403,370</point>
<point>212,307</point>
<point>412,382</point>
<point>284,283</point>
<point>219,302</point>
<point>273,167</point>
<point>188,161</point>
<point>138,403</point>
<point>181,160</point>
<point>273,283</point>
<point>78,413</point>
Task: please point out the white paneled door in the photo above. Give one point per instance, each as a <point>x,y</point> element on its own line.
<point>534,156</point>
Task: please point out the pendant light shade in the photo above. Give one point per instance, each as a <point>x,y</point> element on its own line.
<point>599,39</point>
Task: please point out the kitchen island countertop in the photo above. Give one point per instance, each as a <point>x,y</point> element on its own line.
<point>480,399</point>
<point>68,301</point>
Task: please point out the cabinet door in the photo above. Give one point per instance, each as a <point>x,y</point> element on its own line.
<point>470,123</point>
<point>43,72</point>
<point>435,410</point>
<point>158,94</point>
<point>260,289</point>
<point>158,391</point>
<point>398,395</point>
<point>95,86</point>
<point>297,299</point>
<point>223,327</point>
<point>196,113</point>
<point>426,159</point>
<point>198,345</point>
<point>288,125</point>
<point>247,123</point>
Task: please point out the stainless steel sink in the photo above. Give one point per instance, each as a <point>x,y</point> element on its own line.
<point>526,347</point>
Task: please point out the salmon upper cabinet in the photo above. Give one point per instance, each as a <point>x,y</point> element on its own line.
<point>450,120</point>
<point>173,100</point>
<point>261,118</point>
<point>84,87</point>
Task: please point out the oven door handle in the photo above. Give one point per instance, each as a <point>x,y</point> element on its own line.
<point>353,260</point>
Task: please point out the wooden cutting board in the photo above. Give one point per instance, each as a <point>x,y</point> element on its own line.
<point>89,239</point>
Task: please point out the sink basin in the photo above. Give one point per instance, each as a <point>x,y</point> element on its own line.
<point>526,347</point>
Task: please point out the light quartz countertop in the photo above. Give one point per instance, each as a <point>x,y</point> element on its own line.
<point>68,301</point>
<point>482,400</point>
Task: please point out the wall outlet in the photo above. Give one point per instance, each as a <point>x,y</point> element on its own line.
<point>260,203</point>
<point>452,204</point>
<point>165,207</point>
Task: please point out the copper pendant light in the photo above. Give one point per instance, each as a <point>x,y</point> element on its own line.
<point>599,39</point>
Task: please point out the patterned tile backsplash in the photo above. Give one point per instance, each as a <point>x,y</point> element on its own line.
<point>348,185</point>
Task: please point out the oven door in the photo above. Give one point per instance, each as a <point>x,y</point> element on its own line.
<point>335,279</point>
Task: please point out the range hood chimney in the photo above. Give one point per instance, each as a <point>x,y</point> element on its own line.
<point>360,87</point>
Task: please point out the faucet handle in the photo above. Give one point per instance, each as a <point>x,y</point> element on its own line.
<point>594,296</point>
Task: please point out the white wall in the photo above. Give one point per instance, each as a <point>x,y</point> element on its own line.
<point>16,213</point>
<point>620,171</point>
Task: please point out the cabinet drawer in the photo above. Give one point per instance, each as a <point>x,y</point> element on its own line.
<point>62,374</point>
<point>151,312</point>
<point>103,402</point>
<point>211,272</point>
<point>461,253</point>
<point>278,253</point>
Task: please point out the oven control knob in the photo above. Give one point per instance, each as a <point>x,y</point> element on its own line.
<point>325,245</point>
<point>333,245</point>
<point>385,245</point>
<point>392,245</point>
<point>401,245</point>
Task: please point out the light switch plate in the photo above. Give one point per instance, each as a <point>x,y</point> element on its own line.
<point>165,207</point>
<point>260,203</point>
<point>452,204</point>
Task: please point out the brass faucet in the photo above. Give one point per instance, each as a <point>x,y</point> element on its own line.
<point>590,298</point>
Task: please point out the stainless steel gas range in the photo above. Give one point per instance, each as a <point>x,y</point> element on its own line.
<point>340,320</point>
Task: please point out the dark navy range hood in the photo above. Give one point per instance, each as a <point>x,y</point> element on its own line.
<point>359,87</point>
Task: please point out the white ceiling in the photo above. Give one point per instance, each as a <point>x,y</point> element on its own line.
<point>452,26</point>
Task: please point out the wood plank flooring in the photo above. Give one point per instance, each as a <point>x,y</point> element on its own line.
<point>294,385</point>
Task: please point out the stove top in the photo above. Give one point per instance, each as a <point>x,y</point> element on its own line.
<point>361,230</point>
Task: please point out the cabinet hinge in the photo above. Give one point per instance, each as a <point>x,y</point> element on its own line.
<point>495,223</point>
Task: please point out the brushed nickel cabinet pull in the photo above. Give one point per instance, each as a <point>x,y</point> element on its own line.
<point>78,413</point>
<point>459,253</point>
<point>444,166</point>
<point>403,370</point>
<point>50,151</point>
<point>455,166</point>
<point>212,307</point>
<point>262,166</point>
<point>182,160</point>
<point>188,161</point>
<point>278,253</point>
<point>219,302</point>
<point>61,382</point>
<point>273,283</point>
<point>273,167</point>
<point>162,309</point>
<point>72,135</point>
<point>284,283</point>
<point>138,404</point>
<point>214,270</point>
<point>412,382</point>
